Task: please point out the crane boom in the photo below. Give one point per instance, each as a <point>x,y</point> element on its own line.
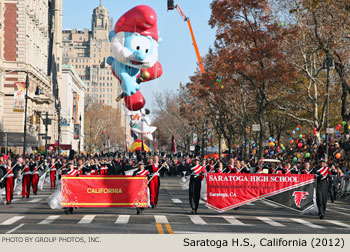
<point>186,19</point>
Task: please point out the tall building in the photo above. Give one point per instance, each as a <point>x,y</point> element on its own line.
<point>29,46</point>
<point>72,92</point>
<point>1,65</point>
<point>87,51</point>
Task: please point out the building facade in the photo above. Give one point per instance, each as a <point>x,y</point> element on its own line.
<point>31,45</point>
<point>87,51</point>
<point>72,93</point>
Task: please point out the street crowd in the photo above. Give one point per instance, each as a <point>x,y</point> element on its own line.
<point>303,156</point>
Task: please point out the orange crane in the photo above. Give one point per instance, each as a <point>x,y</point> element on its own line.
<point>171,6</point>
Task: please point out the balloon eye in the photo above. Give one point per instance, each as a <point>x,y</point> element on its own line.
<point>137,48</point>
<point>146,50</point>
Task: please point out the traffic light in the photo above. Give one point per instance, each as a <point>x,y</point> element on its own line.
<point>249,129</point>
<point>37,119</point>
<point>31,119</point>
<point>171,4</point>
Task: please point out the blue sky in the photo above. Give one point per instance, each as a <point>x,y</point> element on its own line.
<point>176,52</point>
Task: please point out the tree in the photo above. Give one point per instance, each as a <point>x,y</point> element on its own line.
<point>105,123</point>
<point>250,42</point>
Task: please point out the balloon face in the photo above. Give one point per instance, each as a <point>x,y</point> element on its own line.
<point>135,50</point>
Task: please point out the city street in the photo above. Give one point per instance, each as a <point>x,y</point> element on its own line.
<point>171,216</point>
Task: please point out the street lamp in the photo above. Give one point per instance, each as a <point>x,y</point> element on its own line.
<point>25,117</point>
<point>79,131</point>
<point>58,108</point>
<point>90,138</point>
<point>328,63</point>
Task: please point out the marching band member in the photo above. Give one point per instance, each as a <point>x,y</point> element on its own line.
<point>211,166</point>
<point>35,177</point>
<point>26,179</point>
<point>64,166</point>
<point>80,166</point>
<point>220,168</point>
<point>231,166</point>
<point>140,172</point>
<point>307,169</point>
<point>322,174</point>
<point>154,182</point>
<point>53,173</point>
<point>9,182</point>
<point>196,176</point>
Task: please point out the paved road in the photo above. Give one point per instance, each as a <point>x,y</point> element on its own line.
<point>172,215</point>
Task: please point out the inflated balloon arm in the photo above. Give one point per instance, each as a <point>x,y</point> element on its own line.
<point>125,74</point>
<point>144,76</point>
<point>154,72</point>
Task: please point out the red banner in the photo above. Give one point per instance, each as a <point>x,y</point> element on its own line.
<point>108,191</point>
<point>227,191</point>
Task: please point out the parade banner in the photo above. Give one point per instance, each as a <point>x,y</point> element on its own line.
<point>19,96</point>
<point>100,191</point>
<point>227,191</point>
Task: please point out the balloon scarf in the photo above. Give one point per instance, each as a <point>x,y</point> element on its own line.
<point>134,59</point>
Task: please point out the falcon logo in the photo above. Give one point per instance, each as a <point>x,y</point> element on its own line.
<point>298,196</point>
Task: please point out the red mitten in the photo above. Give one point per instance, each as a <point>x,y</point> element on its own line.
<point>135,101</point>
<point>155,72</point>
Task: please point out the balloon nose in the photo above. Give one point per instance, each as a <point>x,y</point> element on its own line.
<point>139,55</point>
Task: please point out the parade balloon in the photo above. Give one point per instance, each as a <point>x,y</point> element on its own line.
<point>324,136</point>
<point>338,155</point>
<point>344,123</point>
<point>299,126</point>
<point>295,159</point>
<point>293,132</point>
<point>349,126</point>
<point>298,155</point>
<point>307,155</point>
<point>339,136</point>
<point>266,141</point>
<point>266,151</point>
<point>291,141</point>
<point>300,136</point>
<point>134,44</point>
<point>272,152</point>
<point>300,145</point>
<point>304,135</point>
<point>297,129</point>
